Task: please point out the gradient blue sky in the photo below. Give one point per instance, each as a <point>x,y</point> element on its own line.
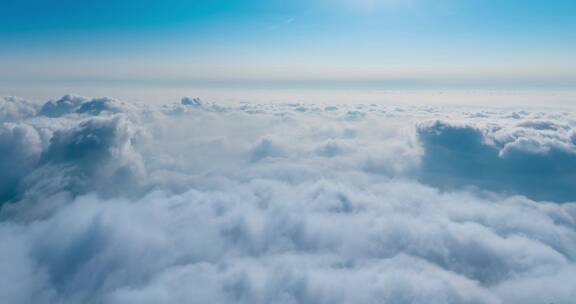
<point>516,43</point>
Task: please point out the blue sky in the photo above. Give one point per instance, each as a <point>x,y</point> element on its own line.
<point>519,43</point>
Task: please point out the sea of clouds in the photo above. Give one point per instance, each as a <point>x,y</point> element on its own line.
<point>104,201</point>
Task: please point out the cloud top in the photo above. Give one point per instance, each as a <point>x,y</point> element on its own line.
<point>109,202</point>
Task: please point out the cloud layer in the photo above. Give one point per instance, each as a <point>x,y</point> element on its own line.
<point>109,202</point>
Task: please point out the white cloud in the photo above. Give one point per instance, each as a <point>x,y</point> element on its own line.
<point>261,203</point>
<point>533,157</point>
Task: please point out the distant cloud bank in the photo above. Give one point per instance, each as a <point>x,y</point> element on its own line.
<point>104,201</point>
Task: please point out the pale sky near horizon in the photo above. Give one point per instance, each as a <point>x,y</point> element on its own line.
<point>474,43</point>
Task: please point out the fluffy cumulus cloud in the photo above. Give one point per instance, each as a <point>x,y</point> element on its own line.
<point>536,157</point>
<point>104,201</point>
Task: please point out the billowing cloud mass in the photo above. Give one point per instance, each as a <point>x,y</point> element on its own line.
<point>104,201</point>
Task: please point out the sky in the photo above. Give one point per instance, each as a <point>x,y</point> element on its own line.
<point>473,43</point>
